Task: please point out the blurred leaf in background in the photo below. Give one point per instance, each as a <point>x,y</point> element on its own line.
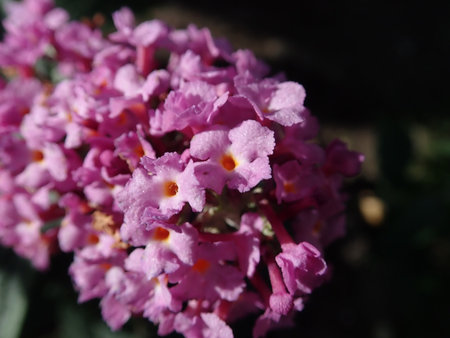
<point>13,304</point>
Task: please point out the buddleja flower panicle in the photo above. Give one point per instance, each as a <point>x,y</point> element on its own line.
<point>172,183</point>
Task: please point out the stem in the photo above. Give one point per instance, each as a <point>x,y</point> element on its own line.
<point>262,288</point>
<point>278,227</point>
<point>144,60</point>
<point>280,300</point>
<point>276,279</point>
<point>294,209</point>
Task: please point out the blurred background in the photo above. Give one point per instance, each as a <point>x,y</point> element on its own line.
<point>376,74</point>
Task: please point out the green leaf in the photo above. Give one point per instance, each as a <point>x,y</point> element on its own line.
<point>13,305</point>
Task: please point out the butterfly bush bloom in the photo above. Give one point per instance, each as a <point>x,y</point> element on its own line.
<point>238,157</point>
<point>189,191</point>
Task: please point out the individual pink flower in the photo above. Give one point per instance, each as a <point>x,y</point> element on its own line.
<point>156,85</point>
<point>101,175</point>
<point>77,43</point>
<point>236,157</point>
<point>296,141</point>
<point>341,160</point>
<point>127,294</point>
<point>13,152</point>
<point>42,169</point>
<point>128,80</point>
<point>91,264</point>
<point>294,181</point>
<point>132,146</point>
<point>38,19</point>
<point>173,184</point>
<point>192,106</point>
<point>200,42</point>
<point>160,301</point>
<point>246,240</point>
<point>16,99</point>
<point>318,227</point>
<point>302,266</point>
<point>279,102</point>
<point>29,241</point>
<point>210,277</point>
<point>270,320</point>
<point>146,37</point>
<point>190,67</point>
<point>76,225</point>
<point>202,325</point>
<point>161,187</point>
<point>166,252</point>
<point>124,21</point>
<point>246,62</point>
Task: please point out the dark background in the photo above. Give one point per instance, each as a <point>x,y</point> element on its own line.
<point>376,74</point>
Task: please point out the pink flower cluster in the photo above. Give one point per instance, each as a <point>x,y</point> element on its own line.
<point>179,174</point>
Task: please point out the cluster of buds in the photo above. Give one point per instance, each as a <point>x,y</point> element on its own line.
<point>181,176</point>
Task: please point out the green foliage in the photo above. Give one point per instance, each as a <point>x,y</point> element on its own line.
<point>13,304</point>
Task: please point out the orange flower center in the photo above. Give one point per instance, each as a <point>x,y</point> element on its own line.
<point>170,188</point>
<point>289,187</point>
<point>105,266</point>
<point>24,111</point>
<point>317,228</point>
<point>138,108</point>
<point>202,265</point>
<point>93,239</point>
<point>139,151</point>
<point>161,234</point>
<point>227,161</point>
<point>37,156</point>
<point>122,118</point>
<point>266,110</point>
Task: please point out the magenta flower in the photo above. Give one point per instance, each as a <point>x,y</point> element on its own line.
<point>132,146</point>
<point>279,102</point>
<point>172,184</point>
<point>76,225</point>
<point>91,264</point>
<point>294,181</point>
<point>78,43</point>
<point>160,302</point>
<point>158,190</point>
<point>35,17</point>
<point>127,294</point>
<point>16,99</point>
<point>167,252</point>
<point>193,106</point>
<point>20,227</point>
<point>296,141</point>
<point>128,80</point>
<point>238,157</point>
<point>202,325</point>
<point>190,67</point>
<point>13,152</point>
<point>210,277</point>
<point>200,41</point>
<point>341,160</point>
<point>246,62</point>
<point>302,266</point>
<point>41,169</point>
